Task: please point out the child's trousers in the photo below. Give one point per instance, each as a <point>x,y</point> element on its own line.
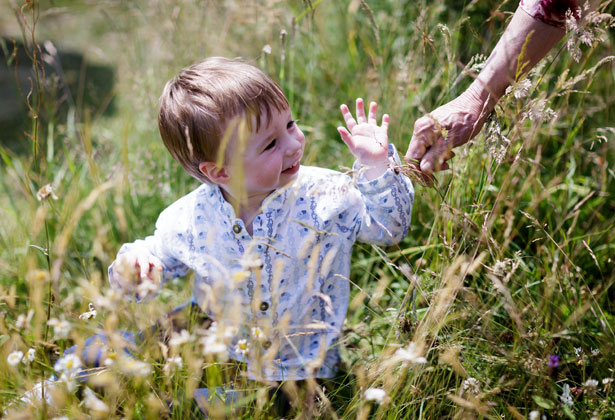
<point>185,317</point>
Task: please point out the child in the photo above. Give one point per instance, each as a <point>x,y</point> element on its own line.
<point>269,241</point>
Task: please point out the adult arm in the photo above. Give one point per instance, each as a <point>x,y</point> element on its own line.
<point>462,118</point>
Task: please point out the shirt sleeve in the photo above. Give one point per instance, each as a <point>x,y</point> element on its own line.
<point>386,204</point>
<point>167,238</point>
<point>551,12</point>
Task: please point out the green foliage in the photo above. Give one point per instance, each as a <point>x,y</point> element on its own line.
<point>509,260</point>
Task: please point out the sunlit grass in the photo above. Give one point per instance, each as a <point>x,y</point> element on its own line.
<point>504,284</point>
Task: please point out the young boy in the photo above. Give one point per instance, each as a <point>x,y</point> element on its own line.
<point>269,241</point>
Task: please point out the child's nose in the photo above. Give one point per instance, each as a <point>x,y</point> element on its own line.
<point>294,145</point>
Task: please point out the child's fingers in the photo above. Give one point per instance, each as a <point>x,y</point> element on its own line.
<point>143,264</point>
<point>155,262</point>
<point>373,108</point>
<point>346,137</point>
<point>360,111</point>
<point>350,122</point>
<point>385,122</point>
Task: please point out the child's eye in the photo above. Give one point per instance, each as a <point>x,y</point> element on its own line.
<point>271,145</point>
<point>291,124</point>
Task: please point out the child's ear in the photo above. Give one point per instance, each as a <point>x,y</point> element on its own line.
<point>216,174</point>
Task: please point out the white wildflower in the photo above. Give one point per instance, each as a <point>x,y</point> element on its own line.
<point>258,334</point>
<point>179,339</point>
<point>595,352</point>
<point>534,415</point>
<point>34,396</point>
<point>374,394</point>
<point>578,351</point>
<point>242,347</point>
<point>96,406</point>
<point>471,385</point>
<point>566,398</point>
<point>61,328</point>
<point>607,381</point>
<point>23,321</point>
<point>109,361</point>
<point>14,358</point>
<point>69,367</point>
<point>91,313</point>
<point>30,355</point>
<point>45,192</point>
<point>591,386</point>
<point>267,49</point>
<point>70,380</point>
<point>411,354</point>
<point>229,332</point>
<point>133,367</point>
<point>173,364</point>
<point>68,363</point>
<point>212,345</point>
<point>109,300</point>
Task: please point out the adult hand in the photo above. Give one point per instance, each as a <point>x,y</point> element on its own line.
<point>449,126</point>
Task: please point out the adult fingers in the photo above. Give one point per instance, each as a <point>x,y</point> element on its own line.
<point>360,106</point>
<point>436,157</point>
<point>350,122</point>
<point>423,136</point>
<point>371,117</point>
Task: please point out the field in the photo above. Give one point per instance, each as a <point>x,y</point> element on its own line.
<point>502,294</point>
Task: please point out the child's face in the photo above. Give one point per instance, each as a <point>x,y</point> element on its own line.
<point>272,154</point>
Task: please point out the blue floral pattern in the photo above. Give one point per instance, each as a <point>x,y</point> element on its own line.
<point>292,272</point>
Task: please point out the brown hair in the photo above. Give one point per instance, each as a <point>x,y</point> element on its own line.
<point>198,104</point>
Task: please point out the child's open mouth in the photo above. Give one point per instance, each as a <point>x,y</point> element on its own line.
<point>292,170</point>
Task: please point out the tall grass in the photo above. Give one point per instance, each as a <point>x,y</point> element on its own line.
<point>504,283</point>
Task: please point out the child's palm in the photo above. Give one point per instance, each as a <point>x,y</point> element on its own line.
<point>367,140</point>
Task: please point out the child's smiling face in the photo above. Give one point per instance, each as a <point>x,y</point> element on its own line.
<point>273,153</point>
<point>271,158</point>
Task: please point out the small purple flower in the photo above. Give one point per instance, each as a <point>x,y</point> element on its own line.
<point>553,361</point>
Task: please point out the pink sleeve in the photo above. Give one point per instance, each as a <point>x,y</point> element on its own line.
<point>552,12</point>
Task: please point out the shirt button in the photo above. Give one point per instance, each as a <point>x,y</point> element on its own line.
<point>264,306</point>
<point>236,228</point>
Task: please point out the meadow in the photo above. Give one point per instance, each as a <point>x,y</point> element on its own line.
<point>500,302</point>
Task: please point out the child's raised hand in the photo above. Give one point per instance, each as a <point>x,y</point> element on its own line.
<point>367,140</point>
<point>137,273</point>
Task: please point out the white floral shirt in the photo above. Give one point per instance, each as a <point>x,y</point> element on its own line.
<point>289,279</point>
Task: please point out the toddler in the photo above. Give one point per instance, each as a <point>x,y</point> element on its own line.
<point>268,240</point>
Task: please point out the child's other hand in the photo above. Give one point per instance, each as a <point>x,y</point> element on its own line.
<point>367,140</point>
<point>138,273</point>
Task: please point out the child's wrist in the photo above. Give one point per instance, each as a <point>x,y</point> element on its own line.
<point>372,169</point>
<point>373,164</point>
